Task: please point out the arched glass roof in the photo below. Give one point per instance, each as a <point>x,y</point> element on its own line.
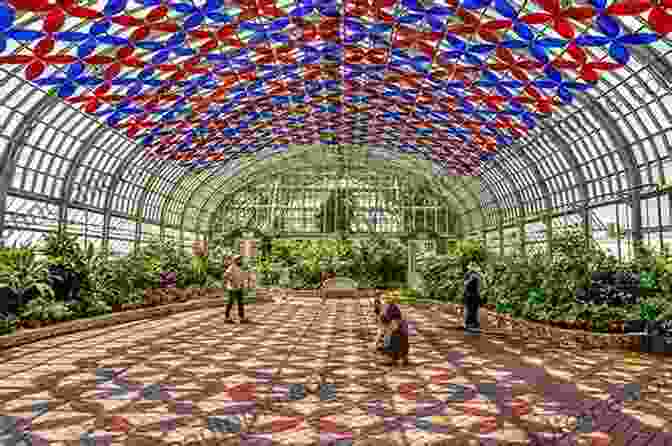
<point>112,110</point>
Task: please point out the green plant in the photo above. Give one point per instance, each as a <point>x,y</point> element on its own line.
<point>62,249</point>
<point>58,311</point>
<point>36,310</point>
<point>91,304</point>
<point>25,273</point>
<point>7,325</point>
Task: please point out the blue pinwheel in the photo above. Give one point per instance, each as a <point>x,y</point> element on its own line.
<point>266,32</point>
<point>120,111</point>
<point>136,85</point>
<point>174,45</point>
<point>522,29</point>
<point>617,42</point>
<point>332,53</point>
<point>97,35</point>
<point>196,16</point>
<point>74,78</point>
<point>327,8</point>
<point>204,82</point>
<point>359,71</point>
<point>553,81</point>
<point>7,17</point>
<point>98,32</point>
<point>233,61</point>
<point>434,16</point>
<point>515,109</point>
<point>536,46</point>
<point>256,88</point>
<point>502,86</point>
<point>471,54</point>
<point>400,59</point>
<point>376,33</point>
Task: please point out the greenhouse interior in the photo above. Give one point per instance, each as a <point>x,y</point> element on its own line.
<point>336,222</point>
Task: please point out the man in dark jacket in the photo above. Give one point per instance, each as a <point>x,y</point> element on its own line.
<point>472,297</point>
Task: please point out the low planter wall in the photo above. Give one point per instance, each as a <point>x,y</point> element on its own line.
<point>213,298</point>
<point>555,335</point>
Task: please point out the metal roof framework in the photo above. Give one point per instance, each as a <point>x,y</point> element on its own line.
<point>57,161</point>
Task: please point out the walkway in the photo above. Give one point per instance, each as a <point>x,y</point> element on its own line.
<point>180,380</point>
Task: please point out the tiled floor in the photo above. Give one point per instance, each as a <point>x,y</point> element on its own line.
<point>188,378</point>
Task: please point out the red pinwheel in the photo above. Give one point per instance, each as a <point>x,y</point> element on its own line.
<point>372,9</point>
<point>488,31</point>
<point>587,70</point>
<point>273,56</point>
<point>155,21</point>
<point>92,102</point>
<point>252,9</point>
<point>660,17</point>
<point>327,29</point>
<point>504,122</point>
<point>424,42</point>
<point>55,13</point>
<point>278,88</point>
<point>558,17</point>
<point>136,124</point>
<point>365,56</point>
<point>518,68</point>
<point>225,35</point>
<point>37,63</point>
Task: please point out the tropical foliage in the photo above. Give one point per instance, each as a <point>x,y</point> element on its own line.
<point>542,287</point>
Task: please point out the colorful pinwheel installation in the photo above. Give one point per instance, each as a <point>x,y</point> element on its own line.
<point>202,81</point>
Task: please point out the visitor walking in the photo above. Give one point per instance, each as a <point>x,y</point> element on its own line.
<point>233,279</point>
<point>472,297</point>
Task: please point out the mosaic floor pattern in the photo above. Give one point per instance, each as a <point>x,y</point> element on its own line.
<point>304,374</point>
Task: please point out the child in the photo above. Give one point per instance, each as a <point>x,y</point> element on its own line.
<point>396,345</point>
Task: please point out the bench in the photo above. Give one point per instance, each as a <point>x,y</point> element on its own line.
<point>339,287</point>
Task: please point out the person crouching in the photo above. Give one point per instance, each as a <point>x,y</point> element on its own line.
<point>396,346</point>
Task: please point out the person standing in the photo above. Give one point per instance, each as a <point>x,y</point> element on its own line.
<point>233,279</point>
<point>472,297</point>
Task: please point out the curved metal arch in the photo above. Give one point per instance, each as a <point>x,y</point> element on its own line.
<point>223,201</point>
<point>634,175</point>
<point>528,170</point>
<point>142,200</point>
<point>73,169</point>
<point>114,184</point>
<point>494,177</point>
<point>653,116</point>
<point>18,139</point>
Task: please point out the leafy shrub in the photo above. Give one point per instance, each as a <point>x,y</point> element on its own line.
<point>43,308</point>
<point>7,324</point>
